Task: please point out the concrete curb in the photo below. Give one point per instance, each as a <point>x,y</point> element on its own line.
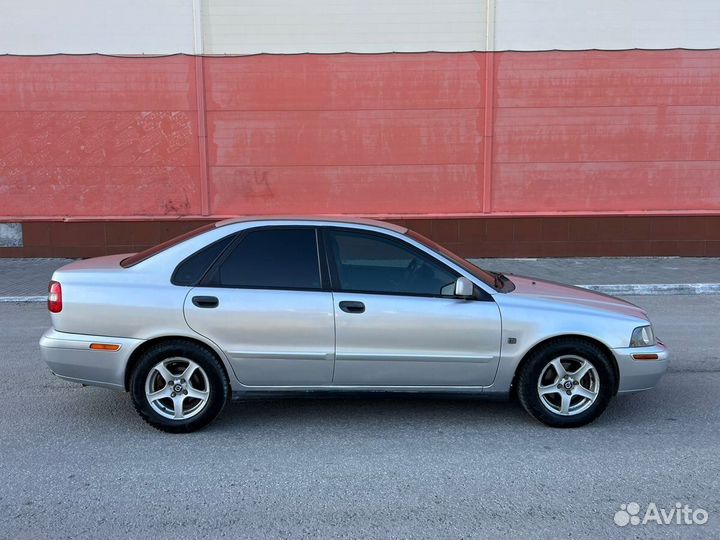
<point>623,289</point>
<point>639,289</point>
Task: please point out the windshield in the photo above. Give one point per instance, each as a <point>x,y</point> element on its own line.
<point>490,279</point>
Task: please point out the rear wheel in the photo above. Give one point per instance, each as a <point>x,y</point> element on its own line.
<point>179,386</point>
<point>566,383</point>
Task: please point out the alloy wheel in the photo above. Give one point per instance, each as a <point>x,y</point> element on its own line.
<point>568,385</point>
<point>177,388</point>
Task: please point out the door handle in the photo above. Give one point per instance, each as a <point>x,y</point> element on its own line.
<point>205,301</point>
<point>352,307</point>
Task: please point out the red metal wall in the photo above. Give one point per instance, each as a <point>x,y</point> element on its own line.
<point>378,134</point>
<point>607,131</point>
<point>98,136</point>
<point>422,134</point>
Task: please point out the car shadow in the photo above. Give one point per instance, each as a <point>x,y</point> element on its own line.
<point>388,413</point>
<point>377,413</point>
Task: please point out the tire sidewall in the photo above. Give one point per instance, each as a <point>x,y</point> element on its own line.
<point>527,384</point>
<point>218,385</point>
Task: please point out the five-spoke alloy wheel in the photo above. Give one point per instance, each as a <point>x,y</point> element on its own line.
<point>566,383</point>
<point>179,386</point>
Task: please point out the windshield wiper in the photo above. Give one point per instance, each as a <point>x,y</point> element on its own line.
<point>500,279</point>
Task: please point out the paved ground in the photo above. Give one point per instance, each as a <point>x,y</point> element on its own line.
<point>78,463</point>
<point>612,270</point>
<point>29,277</point>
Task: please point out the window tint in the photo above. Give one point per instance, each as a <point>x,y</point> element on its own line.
<point>371,263</point>
<point>502,285</point>
<point>194,267</point>
<point>272,258</point>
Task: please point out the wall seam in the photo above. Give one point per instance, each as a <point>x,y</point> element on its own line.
<point>201,108</point>
<point>489,107</point>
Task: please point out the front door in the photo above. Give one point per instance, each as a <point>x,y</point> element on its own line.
<point>397,322</point>
<point>263,305</point>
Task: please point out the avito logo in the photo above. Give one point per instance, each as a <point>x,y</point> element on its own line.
<point>679,514</point>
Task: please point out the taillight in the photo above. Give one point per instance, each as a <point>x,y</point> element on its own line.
<point>55,297</point>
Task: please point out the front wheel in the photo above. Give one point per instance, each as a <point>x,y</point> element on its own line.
<point>178,386</point>
<point>566,383</point>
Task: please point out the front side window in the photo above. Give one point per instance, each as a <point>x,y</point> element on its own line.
<point>498,282</point>
<point>271,259</point>
<point>374,263</point>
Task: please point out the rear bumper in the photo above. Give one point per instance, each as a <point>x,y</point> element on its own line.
<point>636,375</point>
<point>69,357</point>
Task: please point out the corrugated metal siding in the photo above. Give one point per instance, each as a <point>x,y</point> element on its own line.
<point>345,82</point>
<point>93,26</point>
<point>362,134</point>
<point>594,131</point>
<point>366,26</point>
<point>328,26</point>
<point>574,132</point>
<point>98,136</point>
<point>530,25</point>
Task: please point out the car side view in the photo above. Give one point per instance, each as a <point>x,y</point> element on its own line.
<point>283,305</point>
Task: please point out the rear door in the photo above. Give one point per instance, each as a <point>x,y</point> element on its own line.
<point>263,303</point>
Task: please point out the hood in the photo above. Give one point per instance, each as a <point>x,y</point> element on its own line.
<point>548,290</point>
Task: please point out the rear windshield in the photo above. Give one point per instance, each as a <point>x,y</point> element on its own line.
<point>132,260</point>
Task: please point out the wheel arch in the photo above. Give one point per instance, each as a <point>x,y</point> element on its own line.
<point>145,345</point>
<point>564,337</point>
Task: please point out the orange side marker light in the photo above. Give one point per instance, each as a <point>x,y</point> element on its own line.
<point>104,346</point>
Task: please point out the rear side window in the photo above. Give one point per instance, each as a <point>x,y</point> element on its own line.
<point>274,258</point>
<point>192,269</point>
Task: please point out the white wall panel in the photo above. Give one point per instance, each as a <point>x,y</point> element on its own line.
<point>96,26</point>
<point>528,25</point>
<point>328,26</point>
<point>370,26</point>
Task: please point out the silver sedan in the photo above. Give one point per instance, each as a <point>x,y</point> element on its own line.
<point>260,306</point>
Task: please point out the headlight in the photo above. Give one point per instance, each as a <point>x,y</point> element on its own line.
<point>643,336</point>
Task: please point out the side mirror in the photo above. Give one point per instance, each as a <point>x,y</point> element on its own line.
<point>464,288</point>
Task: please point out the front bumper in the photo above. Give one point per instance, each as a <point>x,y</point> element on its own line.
<point>69,357</point>
<point>636,375</point>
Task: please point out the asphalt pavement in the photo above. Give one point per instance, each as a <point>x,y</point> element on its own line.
<point>77,462</point>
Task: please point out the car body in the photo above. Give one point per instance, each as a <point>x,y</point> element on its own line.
<point>293,305</point>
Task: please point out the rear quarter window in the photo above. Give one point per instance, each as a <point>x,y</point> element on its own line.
<point>192,269</point>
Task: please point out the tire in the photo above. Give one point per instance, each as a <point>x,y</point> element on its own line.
<point>573,398</point>
<point>188,382</point>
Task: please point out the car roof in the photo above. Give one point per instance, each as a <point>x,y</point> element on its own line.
<point>310,219</point>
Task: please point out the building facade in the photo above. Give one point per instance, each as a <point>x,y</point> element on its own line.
<point>499,127</point>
